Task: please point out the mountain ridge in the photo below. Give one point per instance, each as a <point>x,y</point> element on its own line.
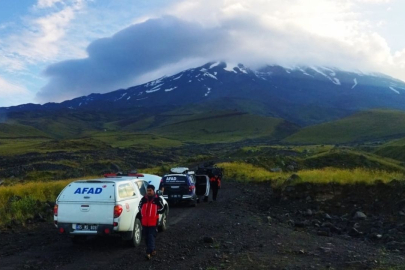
<point>303,95</point>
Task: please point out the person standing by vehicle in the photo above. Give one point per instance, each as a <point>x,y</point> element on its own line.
<point>215,184</point>
<point>150,207</point>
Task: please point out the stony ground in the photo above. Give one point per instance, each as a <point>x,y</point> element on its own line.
<point>249,227</point>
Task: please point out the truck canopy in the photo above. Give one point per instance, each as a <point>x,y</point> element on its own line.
<point>88,191</point>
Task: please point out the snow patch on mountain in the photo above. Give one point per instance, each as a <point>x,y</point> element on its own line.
<point>154,89</point>
<point>332,72</point>
<point>395,90</point>
<point>333,80</point>
<point>336,81</point>
<point>208,92</point>
<point>181,75</point>
<point>210,75</point>
<point>170,89</point>
<point>320,72</point>
<point>123,95</point>
<point>242,69</point>
<point>155,82</point>
<point>355,83</point>
<point>230,68</point>
<point>214,65</point>
<point>304,72</point>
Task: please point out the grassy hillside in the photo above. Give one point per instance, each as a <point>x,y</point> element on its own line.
<point>13,131</point>
<point>246,172</point>
<point>125,139</point>
<point>224,127</point>
<point>393,149</point>
<point>351,159</point>
<point>364,126</point>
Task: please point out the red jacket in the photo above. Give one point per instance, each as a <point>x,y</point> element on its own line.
<point>216,179</point>
<point>150,210</point>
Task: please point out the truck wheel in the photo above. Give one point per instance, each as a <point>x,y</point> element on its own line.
<point>137,234</point>
<point>163,223</point>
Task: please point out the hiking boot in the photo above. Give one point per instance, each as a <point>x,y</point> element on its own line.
<point>153,253</point>
<point>148,256</point>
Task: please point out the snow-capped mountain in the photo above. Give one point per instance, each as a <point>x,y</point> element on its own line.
<point>284,91</point>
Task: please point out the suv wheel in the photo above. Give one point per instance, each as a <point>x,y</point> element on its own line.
<point>163,223</point>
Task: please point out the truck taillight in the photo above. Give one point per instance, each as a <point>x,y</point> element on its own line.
<point>191,188</point>
<point>55,210</point>
<point>117,211</point>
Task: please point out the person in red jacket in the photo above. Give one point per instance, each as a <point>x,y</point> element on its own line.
<point>215,184</point>
<point>150,207</point>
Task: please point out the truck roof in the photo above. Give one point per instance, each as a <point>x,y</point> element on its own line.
<point>176,174</point>
<point>109,180</point>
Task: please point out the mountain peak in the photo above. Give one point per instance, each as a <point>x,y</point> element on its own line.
<point>273,85</point>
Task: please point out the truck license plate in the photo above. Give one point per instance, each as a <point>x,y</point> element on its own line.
<point>86,227</point>
<point>176,196</point>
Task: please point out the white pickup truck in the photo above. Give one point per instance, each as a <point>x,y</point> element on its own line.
<point>104,206</point>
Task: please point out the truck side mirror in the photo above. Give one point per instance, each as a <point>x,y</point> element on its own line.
<point>159,192</point>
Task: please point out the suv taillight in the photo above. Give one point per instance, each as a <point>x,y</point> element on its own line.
<point>55,210</point>
<point>117,211</point>
<point>191,188</point>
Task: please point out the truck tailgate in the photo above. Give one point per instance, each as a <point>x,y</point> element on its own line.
<point>86,212</point>
<point>89,202</point>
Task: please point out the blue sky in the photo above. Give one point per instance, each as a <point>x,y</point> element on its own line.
<point>52,50</point>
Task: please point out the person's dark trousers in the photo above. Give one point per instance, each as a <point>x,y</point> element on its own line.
<point>214,188</point>
<point>149,233</point>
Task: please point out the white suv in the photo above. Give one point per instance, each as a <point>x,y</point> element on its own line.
<point>104,206</point>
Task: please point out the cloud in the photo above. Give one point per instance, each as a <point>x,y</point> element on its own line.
<point>117,61</point>
<point>41,37</point>
<point>253,32</point>
<point>47,3</point>
<point>13,94</point>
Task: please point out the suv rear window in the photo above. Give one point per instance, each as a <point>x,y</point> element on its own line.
<point>175,180</point>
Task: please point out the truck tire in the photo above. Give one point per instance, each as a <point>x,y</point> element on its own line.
<point>137,234</point>
<point>163,224</point>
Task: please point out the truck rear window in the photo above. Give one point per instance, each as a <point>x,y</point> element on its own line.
<point>175,180</point>
<point>87,191</point>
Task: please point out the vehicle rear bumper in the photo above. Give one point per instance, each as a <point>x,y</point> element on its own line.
<point>177,199</point>
<point>101,229</point>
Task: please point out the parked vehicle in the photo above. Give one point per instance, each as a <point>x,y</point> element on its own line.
<point>104,206</point>
<point>180,188</point>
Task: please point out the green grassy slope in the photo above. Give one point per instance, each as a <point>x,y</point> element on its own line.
<point>393,149</point>
<point>363,126</point>
<point>350,159</point>
<point>65,124</point>
<point>224,127</point>
<point>8,131</point>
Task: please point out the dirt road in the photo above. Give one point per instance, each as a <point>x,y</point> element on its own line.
<point>243,236</point>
